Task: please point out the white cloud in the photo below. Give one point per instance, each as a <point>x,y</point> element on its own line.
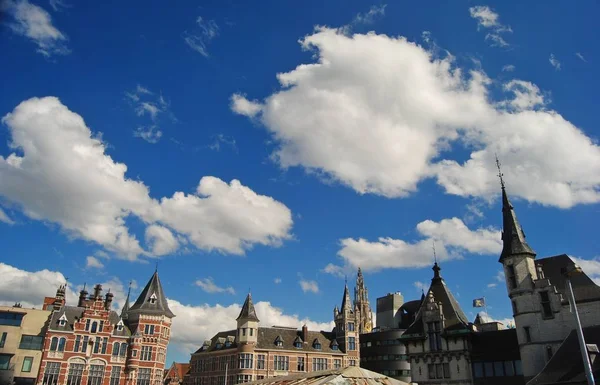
<point>580,56</point>
<point>338,271</point>
<point>508,68</point>
<point>421,286</point>
<point>92,262</point>
<point>194,324</point>
<point>241,105</point>
<point>35,23</point>
<point>5,218</point>
<point>527,96</point>
<point>198,41</point>
<point>150,134</point>
<point>161,240</point>
<point>221,139</point>
<point>499,278</point>
<point>374,12</point>
<point>452,238</point>
<point>554,62</point>
<point>309,286</point>
<point>64,176</point>
<point>277,281</point>
<point>488,19</point>
<point>153,105</point>
<point>58,5</point>
<point>331,116</point>
<point>591,267</point>
<point>209,286</point>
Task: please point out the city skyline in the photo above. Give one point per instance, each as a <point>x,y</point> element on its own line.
<point>261,148</point>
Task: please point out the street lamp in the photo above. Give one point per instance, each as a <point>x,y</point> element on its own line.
<point>568,272</point>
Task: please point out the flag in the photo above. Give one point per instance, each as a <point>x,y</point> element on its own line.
<point>479,302</point>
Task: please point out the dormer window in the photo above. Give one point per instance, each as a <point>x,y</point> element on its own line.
<point>316,344</point>
<point>119,325</point>
<point>279,341</point>
<point>298,344</point>
<point>219,345</point>
<point>62,321</point>
<point>153,298</point>
<point>228,344</point>
<point>334,345</point>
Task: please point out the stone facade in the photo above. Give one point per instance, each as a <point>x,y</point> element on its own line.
<point>21,339</point>
<point>361,303</point>
<point>92,344</point>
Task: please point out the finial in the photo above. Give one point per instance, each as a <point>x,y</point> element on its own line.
<point>500,174</point>
<point>84,286</point>
<point>434,254</point>
<point>156,268</point>
<point>346,280</point>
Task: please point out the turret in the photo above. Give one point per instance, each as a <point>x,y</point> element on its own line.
<point>247,323</point>
<point>59,300</point>
<point>82,297</point>
<point>108,298</point>
<point>97,292</point>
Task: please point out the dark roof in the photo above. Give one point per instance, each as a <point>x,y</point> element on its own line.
<point>454,316</point>
<point>126,305</point>
<point>497,345</point>
<point>409,312</point>
<point>248,312</point>
<point>145,303</point>
<point>346,299</point>
<point>513,237</point>
<point>584,288</point>
<point>74,313</point>
<point>566,365</point>
<point>267,337</point>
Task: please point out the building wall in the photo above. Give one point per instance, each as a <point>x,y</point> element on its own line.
<point>388,310</point>
<point>32,324</point>
<point>382,352</point>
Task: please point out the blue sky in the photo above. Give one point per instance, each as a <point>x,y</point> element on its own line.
<point>275,147</point>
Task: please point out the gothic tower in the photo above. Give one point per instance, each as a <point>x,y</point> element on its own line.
<point>361,302</point>
<point>346,329</point>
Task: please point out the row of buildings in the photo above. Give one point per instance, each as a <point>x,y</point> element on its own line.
<point>87,344</point>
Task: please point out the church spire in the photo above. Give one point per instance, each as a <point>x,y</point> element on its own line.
<point>126,306</point>
<point>152,300</point>
<point>346,303</point>
<point>248,312</point>
<point>513,237</point>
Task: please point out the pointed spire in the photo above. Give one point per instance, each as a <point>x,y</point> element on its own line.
<point>126,306</point>
<point>346,303</point>
<point>513,237</point>
<point>248,312</point>
<point>152,300</point>
<point>436,272</point>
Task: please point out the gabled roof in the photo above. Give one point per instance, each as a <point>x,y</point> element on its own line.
<point>454,316</point>
<point>248,312</point>
<point>513,237</point>
<point>74,313</point>
<point>177,370</point>
<point>146,304</point>
<point>584,288</point>
<point>351,375</point>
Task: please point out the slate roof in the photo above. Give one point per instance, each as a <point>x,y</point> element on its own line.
<point>268,335</point>
<point>73,313</point>
<point>145,304</point>
<point>454,316</point>
<point>411,308</point>
<point>513,237</point>
<point>566,365</point>
<point>346,299</point>
<point>584,288</point>
<point>351,375</point>
<point>248,312</point>
<point>497,345</point>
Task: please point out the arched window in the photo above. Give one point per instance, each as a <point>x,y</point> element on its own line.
<point>94,326</point>
<point>61,344</point>
<point>123,350</point>
<point>115,351</point>
<point>53,344</point>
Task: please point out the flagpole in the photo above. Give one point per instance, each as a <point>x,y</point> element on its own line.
<point>485,307</point>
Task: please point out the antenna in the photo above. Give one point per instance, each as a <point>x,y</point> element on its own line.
<point>500,174</point>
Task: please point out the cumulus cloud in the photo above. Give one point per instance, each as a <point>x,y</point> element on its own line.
<point>242,106</point>
<point>499,278</point>
<point>309,286</point>
<point>160,240</point>
<point>209,286</point>
<point>451,236</point>
<point>199,39</point>
<point>35,23</point>
<point>5,218</point>
<point>527,96</point>
<point>554,62</point>
<point>490,20</point>
<point>590,266</point>
<point>330,117</point>
<point>60,173</point>
<point>92,262</point>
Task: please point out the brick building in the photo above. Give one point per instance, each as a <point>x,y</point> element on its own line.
<point>91,344</point>
<point>251,352</point>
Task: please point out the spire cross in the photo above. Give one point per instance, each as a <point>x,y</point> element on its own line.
<point>500,174</point>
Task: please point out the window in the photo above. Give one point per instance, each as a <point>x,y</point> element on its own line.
<point>53,344</point>
<point>259,377</point>
<point>316,344</point>
<point>334,347</point>
<point>149,329</point>
<point>77,343</point>
<point>509,369</point>
<point>115,349</point>
<point>549,352</point>
<point>446,367</point>
<point>227,344</point>
<point>498,369</point>
<point>518,368</point>
<point>94,327</point>
<point>300,364</point>
<point>279,343</point>
<point>146,354</point>
<point>97,345</point>
<point>510,275</point>
<point>123,350</point>
<point>298,344</point>
<point>488,369</point>
<point>319,364</point>
<point>3,339</point>
<point>27,364</point>
<point>115,375</point>
<point>4,361</point>
<point>251,332</point>
<point>144,376</point>
<point>245,361</point>
<point>478,369</point>
<point>431,370</point>
<point>61,344</point>
<point>434,336</point>
<point>337,363</point>
<point>51,373</point>
<point>546,307</point>
<point>104,344</point>
<point>281,363</point>
<point>438,371</point>
<point>352,362</point>
<point>85,344</point>
<point>95,375</point>
<point>87,324</point>
<point>527,333</point>
<point>10,318</point>
<point>514,306</point>
<point>153,298</point>
<point>368,344</point>
<point>31,342</point>
<point>241,378</point>
<point>260,361</point>
<point>350,326</point>
<point>75,374</point>
<point>351,343</point>
<point>101,327</point>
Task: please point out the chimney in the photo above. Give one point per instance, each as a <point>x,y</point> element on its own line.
<point>59,300</point>
<point>82,297</point>
<point>305,333</point>
<point>108,300</point>
<point>98,292</point>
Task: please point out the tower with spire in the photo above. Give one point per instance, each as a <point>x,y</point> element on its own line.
<point>347,320</point>
<point>247,323</point>
<point>361,303</point>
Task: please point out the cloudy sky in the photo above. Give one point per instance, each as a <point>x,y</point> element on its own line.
<point>276,147</point>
